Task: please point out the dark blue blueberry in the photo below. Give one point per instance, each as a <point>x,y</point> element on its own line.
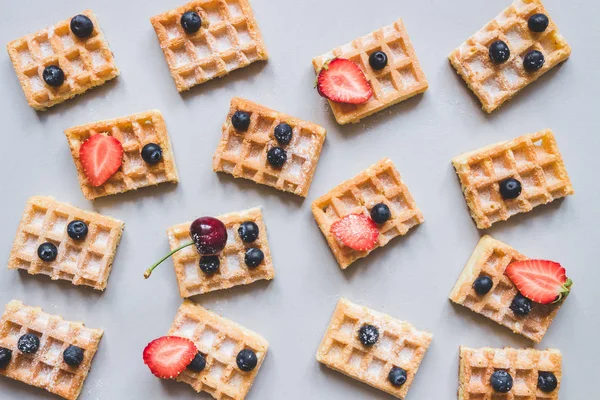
<point>5,356</point>
<point>241,120</point>
<point>73,356</point>
<point>397,376</point>
<point>368,335</point>
<point>248,231</point>
<point>521,305</point>
<point>380,213</point>
<point>53,75</point>
<point>198,363</point>
<point>283,133</point>
<point>276,156</point>
<point>538,22</point>
<point>28,343</point>
<point>501,381</point>
<point>253,257</point>
<point>378,60</point>
<point>547,381</point>
<point>483,285</point>
<point>210,264</point>
<point>533,60</point>
<point>499,52</point>
<point>510,188</point>
<point>152,153</point>
<point>77,230</point>
<point>191,22</point>
<point>246,360</point>
<point>47,252</point>
<point>82,26</point>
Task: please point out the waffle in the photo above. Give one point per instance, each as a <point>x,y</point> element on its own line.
<point>232,271</point>
<point>134,132</point>
<point>86,62</point>
<point>523,365</point>
<point>46,369</point>
<point>399,345</point>
<point>85,262</point>
<point>380,183</point>
<point>219,340</point>
<point>244,155</point>
<point>532,159</point>
<point>493,83</point>
<point>490,258</point>
<point>401,79</point>
<point>229,39</point>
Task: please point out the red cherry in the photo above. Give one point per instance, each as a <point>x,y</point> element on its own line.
<point>209,235</point>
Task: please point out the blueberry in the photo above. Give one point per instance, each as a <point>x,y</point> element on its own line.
<point>47,252</point>
<point>198,363</point>
<point>53,75</point>
<point>368,335</point>
<point>397,376</point>
<point>483,285</point>
<point>28,343</point>
<point>501,381</point>
<point>521,305</point>
<point>152,153</point>
<point>254,257</point>
<point>538,22</point>
<point>77,230</point>
<point>533,61</point>
<point>82,26</point>
<point>283,133</point>
<point>210,264</point>
<point>276,156</point>
<point>191,22</point>
<point>510,188</point>
<point>378,60</point>
<point>547,381</point>
<point>73,356</point>
<point>246,360</point>
<point>248,231</point>
<point>499,52</point>
<point>5,357</point>
<point>380,213</point>
<point>241,120</point>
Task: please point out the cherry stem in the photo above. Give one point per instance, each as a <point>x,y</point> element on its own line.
<point>149,270</point>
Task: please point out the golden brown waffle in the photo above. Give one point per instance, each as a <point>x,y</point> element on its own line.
<point>532,159</point>
<point>523,365</point>
<point>380,183</point>
<point>85,262</point>
<point>399,345</point>
<point>219,340</point>
<point>244,154</point>
<point>46,368</point>
<point>134,132</point>
<point>490,258</point>
<point>493,83</point>
<point>228,39</point>
<point>86,62</point>
<point>233,270</point>
<point>401,79</point>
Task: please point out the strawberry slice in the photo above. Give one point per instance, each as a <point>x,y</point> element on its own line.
<point>343,81</point>
<point>541,281</point>
<point>101,156</point>
<point>169,356</point>
<point>356,231</point>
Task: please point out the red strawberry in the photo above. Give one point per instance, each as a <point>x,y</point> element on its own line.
<point>356,231</point>
<point>541,281</point>
<point>168,356</point>
<point>101,156</point>
<point>343,81</point>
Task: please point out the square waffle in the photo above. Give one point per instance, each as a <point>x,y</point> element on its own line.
<point>380,183</point>
<point>401,79</point>
<point>493,83</point>
<point>490,258</point>
<point>399,345</point>
<point>86,62</point>
<point>46,369</point>
<point>228,39</point>
<point>134,132</point>
<point>532,159</point>
<point>219,340</point>
<point>82,262</point>
<point>232,271</point>
<point>477,366</point>
<point>244,154</point>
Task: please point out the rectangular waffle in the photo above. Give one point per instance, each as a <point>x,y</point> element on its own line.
<point>134,132</point>
<point>380,183</point>
<point>219,340</point>
<point>477,366</point>
<point>46,369</point>
<point>401,79</point>
<point>533,159</point>
<point>244,154</point>
<point>86,62</point>
<point>232,271</point>
<point>228,39</point>
<point>493,83</point>
<point>82,262</point>
<point>490,258</point>
<point>399,345</point>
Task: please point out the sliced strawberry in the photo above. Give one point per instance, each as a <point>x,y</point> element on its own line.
<point>168,356</point>
<point>356,231</point>
<point>541,281</point>
<point>343,81</point>
<point>101,156</point>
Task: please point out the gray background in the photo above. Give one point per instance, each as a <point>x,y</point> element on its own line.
<point>409,279</point>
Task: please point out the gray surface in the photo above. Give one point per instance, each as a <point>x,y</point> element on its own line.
<point>409,279</point>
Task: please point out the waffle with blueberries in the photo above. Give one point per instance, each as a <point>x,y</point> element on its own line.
<point>507,374</point>
<point>513,50</point>
<point>373,348</point>
<point>46,351</point>
<point>207,39</point>
<point>64,242</point>
<point>62,61</point>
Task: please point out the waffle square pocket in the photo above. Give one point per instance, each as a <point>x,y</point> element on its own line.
<point>219,340</point>
<point>390,364</point>
<point>401,78</point>
<point>85,62</point>
<point>85,261</point>
<point>494,83</point>
<point>45,368</point>
<point>228,39</point>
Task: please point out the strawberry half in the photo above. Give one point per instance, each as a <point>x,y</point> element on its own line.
<point>343,81</point>
<point>541,281</point>
<point>356,231</point>
<point>169,356</point>
<point>101,156</point>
